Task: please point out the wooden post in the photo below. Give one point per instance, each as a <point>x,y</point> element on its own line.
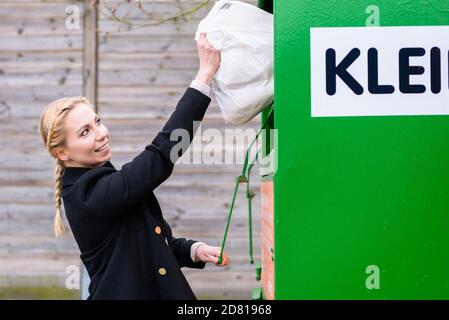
<point>90,63</point>
<point>90,53</point>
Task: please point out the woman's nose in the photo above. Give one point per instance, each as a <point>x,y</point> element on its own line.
<point>102,133</point>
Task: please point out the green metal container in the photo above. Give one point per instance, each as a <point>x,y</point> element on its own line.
<point>361,202</point>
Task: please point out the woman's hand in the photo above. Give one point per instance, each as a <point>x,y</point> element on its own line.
<point>208,253</point>
<point>209,60</point>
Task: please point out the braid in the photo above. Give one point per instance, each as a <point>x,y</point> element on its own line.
<point>51,128</point>
<point>58,225</point>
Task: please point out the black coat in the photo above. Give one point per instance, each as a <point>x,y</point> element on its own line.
<point>125,243</point>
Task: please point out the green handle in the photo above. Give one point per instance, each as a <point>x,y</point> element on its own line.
<point>243,178</point>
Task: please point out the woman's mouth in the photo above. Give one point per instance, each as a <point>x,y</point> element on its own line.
<point>103,148</point>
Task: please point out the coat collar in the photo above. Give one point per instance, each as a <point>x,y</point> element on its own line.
<point>71,174</point>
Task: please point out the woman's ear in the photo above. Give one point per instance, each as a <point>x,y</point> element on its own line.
<point>61,154</point>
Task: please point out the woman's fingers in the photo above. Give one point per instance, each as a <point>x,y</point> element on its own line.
<point>204,43</point>
<point>207,46</point>
<point>214,259</point>
<point>212,254</point>
<point>202,39</point>
<point>215,251</point>
<point>209,60</point>
<point>225,261</point>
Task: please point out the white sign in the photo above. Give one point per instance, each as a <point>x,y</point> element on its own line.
<point>379,71</point>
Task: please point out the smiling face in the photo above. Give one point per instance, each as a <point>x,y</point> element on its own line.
<point>87,139</point>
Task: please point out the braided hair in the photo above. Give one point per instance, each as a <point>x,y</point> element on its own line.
<point>51,127</point>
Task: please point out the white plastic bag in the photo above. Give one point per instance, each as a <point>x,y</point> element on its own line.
<point>243,85</point>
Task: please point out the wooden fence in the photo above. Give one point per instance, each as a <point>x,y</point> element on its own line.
<point>135,78</point>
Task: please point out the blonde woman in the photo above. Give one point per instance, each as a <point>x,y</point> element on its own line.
<point>125,243</point>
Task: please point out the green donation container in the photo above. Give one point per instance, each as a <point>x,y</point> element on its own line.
<point>357,203</point>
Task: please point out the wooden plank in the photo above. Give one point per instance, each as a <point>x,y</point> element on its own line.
<point>29,60</point>
<point>40,43</point>
<point>149,61</point>
<point>44,262</point>
<point>182,28</point>
<point>40,67</point>
<point>58,77</point>
<point>162,43</point>
<point>156,11</point>
<point>42,92</point>
<point>27,68</point>
<point>37,244</point>
<point>41,27</point>
<point>31,97</point>
<point>155,112</point>
<point>13,11</point>
<point>12,63</point>
<point>146,77</point>
<point>9,58</point>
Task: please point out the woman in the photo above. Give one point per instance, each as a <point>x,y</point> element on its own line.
<point>126,245</point>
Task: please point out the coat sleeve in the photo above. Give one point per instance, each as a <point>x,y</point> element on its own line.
<point>109,195</point>
<point>181,250</point>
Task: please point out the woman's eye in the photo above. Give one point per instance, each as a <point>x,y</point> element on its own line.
<point>98,120</point>
<point>85,131</point>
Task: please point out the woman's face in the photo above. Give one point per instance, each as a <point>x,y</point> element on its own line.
<point>87,139</point>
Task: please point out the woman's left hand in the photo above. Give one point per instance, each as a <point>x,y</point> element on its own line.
<point>208,253</point>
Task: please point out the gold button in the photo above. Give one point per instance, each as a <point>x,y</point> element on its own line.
<point>162,271</point>
<point>157,230</point>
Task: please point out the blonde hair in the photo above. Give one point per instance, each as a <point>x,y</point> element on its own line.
<point>51,127</point>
